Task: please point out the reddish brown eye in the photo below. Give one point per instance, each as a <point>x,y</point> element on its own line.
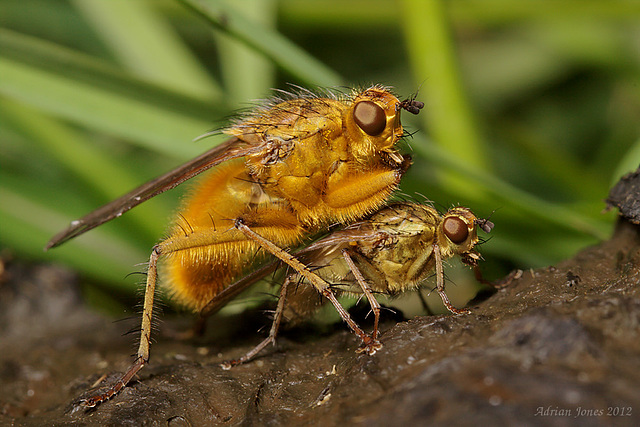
<point>370,117</point>
<point>455,229</point>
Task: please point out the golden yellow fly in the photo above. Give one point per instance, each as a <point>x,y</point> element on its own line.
<point>291,168</point>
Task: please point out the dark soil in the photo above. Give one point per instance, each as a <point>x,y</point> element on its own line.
<point>558,346</point>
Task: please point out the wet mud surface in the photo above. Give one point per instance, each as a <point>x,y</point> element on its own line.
<point>558,346</point>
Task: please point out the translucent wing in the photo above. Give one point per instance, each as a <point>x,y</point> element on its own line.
<point>358,232</point>
<point>230,149</point>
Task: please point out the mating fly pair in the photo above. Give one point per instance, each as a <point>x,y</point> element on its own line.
<point>289,170</point>
<point>392,251</point>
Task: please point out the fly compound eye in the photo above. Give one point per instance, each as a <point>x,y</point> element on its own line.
<point>370,117</point>
<point>455,229</point>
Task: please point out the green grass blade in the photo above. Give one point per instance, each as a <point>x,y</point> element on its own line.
<point>292,59</point>
<point>84,90</point>
<point>88,163</point>
<point>433,57</point>
<point>247,74</point>
<point>509,195</point>
<point>142,40</point>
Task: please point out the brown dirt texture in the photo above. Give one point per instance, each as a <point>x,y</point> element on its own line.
<point>558,346</point>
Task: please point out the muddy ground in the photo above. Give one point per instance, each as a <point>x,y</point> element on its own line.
<point>559,346</point>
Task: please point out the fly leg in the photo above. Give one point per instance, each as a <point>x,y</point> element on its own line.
<point>145,337</point>
<point>166,247</point>
<point>440,283</point>
<point>375,305</point>
<point>369,344</point>
<point>271,339</point>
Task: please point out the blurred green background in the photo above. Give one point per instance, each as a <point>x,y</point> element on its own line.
<point>532,109</point>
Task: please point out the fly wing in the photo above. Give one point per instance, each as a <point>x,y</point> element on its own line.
<point>230,149</point>
<point>358,232</point>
